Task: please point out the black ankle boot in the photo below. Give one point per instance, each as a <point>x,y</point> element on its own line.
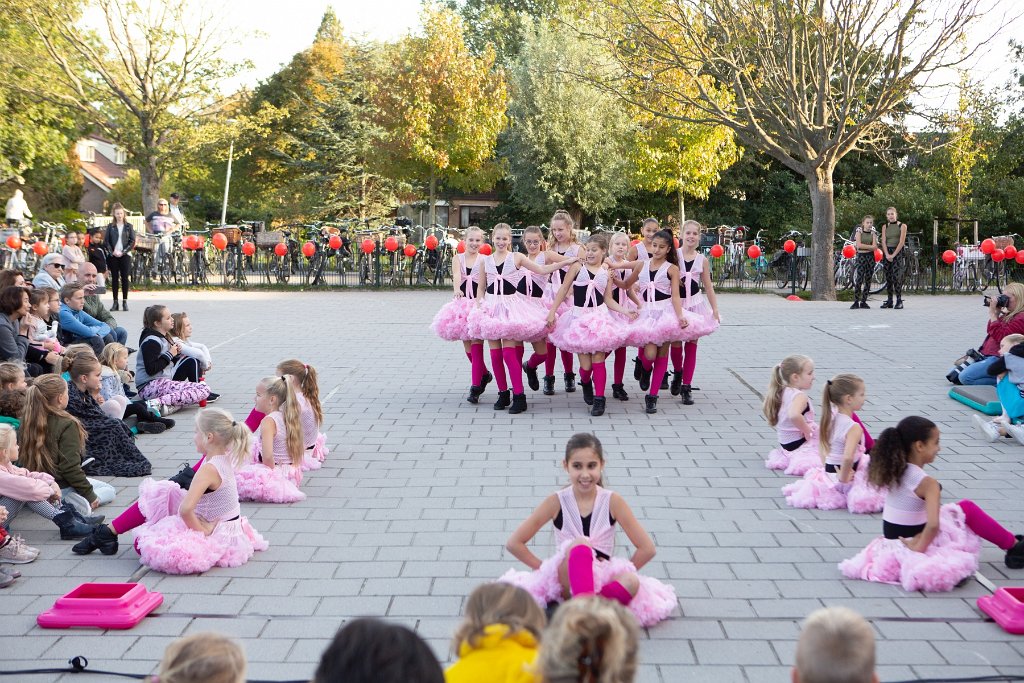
<point>531,377</point>
<point>124,305</point>
<point>619,392</point>
<point>114,307</point>
<point>1015,555</point>
<point>677,382</point>
<point>638,369</point>
<point>549,385</point>
<point>598,409</point>
<point>887,304</point>
<point>645,379</point>
<point>650,404</point>
<point>518,404</point>
<point>856,304</point>
<point>664,381</point>
<point>485,381</point>
<point>504,400</point>
<point>474,394</point>
<point>101,538</point>
<point>588,392</point>
<point>570,382</point>
<point>70,527</point>
<point>899,303</point>
<point>687,391</point>
<point>90,520</point>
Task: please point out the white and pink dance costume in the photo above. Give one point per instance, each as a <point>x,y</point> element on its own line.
<point>314,440</point>
<point>619,370</point>
<point>534,287</point>
<point>949,559</point>
<point>820,487</point>
<point>795,453</point>
<point>655,600</point>
<point>452,324</point>
<point>696,306</point>
<point>554,284</point>
<point>261,483</point>
<point>166,544</point>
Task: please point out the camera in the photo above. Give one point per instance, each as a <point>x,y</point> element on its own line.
<point>970,358</point>
<point>1002,301</point>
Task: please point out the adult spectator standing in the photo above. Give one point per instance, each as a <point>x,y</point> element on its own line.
<point>119,242</point>
<point>1001,322</point>
<point>175,210</point>
<point>16,210</point>
<point>894,242</point>
<point>162,223</point>
<point>14,345</point>
<point>76,325</point>
<point>94,306</point>
<point>51,274</point>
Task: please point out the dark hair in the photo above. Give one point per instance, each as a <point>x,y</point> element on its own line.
<point>8,276</point>
<point>893,445</point>
<point>12,402</point>
<point>373,651</point>
<point>11,299</point>
<point>672,257</point>
<point>175,195</point>
<point>151,316</point>
<point>68,290</point>
<point>584,440</point>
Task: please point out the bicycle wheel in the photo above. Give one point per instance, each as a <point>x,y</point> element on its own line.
<point>803,272</point>
<point>973,278</point>
<point>782,272</point>
<point>877,282</point>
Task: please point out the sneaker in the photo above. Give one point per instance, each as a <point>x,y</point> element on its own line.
<point>6,578</point>
<point>212,398</point>
<point>18,552</point>
<point>166,409</point>
<point>151,428</point>
<point>1017,432</point>
<point>1015,555</point>
<point>986,428</point>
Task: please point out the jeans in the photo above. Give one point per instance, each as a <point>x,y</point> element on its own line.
<point>977,373</point>
<point>120,335</point>
<point>97,343</point>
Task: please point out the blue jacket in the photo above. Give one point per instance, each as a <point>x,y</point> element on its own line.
<point>81,324</point>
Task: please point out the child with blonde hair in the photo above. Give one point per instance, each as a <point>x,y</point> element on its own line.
<point>836,646</point>
<point>274,472</point>
<point>12,377</point>
<point>590,640</point>
<point>202,658</point>
<point>788,409</point>
<point>306,387</point>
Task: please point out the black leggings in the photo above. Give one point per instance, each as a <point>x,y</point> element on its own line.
<point>895,274</point>
<point>188,371</point>
<point>864,268</point>
<point>120,270</point>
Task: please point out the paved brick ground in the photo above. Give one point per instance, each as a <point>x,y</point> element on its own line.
<point>422,489</point>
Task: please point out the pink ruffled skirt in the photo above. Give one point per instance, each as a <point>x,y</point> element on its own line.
<point>452,322</point>
<point>588,330</point>
<point>654,602</point>
<point>508,317</point>
<point>166,544</point>
<point>657,324</point>
<point>258,482</point>
<point>314,457</point>
<point>795,463</point>
<point>951,557</point>
<point>818,490</point>
<point>700,308</point>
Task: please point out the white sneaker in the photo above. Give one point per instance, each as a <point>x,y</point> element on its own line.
<point>17,552</point>
<point>1017,432</point>
<point>166,409</point>
<point>986,428</point>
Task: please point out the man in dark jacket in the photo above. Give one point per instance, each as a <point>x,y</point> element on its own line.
<point>95,307</point>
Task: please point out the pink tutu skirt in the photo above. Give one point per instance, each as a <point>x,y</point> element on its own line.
<point>700,308</point>
<point>818,490</point>
<point>166,544</point>
<point>508,317</point>
<point>313,458</point>
<point>260,483</point>
<point>588,330</point>
<point>654,602</point>
<point>951,557</point>
<point>795,463</point>
<point>657,324</point>
<point>452,322</point>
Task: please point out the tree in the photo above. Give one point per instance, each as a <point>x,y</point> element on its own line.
<point>441,108</point>
<point>814,80</point>
<point>148,80</point>
<point>963,147</point>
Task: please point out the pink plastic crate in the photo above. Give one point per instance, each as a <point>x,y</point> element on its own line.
<point>102,605</point>
<point>1006,606</point>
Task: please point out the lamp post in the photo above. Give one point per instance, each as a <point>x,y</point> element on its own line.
<point>227,180</point>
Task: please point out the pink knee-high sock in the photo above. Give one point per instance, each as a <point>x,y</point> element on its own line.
<point>549,361</point>
<point>675,354</point>
<point>616,591</point>
<point>980,523</point>
<point>868,441</point>
<point>536,359</point>
<point>660,367</point>
<point>584,375</point>
<point>254,419</point>
<point>498,369</point>
<point>520,353</point>
<point>648,363</point>
<point>566,361</point>
<point>515,367</point>
<point>690,361</point>
<point>478,368</point>
<point>132,517</point>
<point>469,355</point>
<point>620,365</point>
<point>581,570</point>
<point>600,374</point>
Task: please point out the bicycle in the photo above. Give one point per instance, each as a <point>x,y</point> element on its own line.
<point>786,264</point>
<point>196,265</point>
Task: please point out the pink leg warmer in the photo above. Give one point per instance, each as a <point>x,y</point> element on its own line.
<point>549,361</point>
<point>536,359</point>
<point>620,365</point>
<point>254,419</point>
<point>584,375</point>
<point>478,367</point>
<point>660,367</point>
<point>675,353</point>
<point>980,523</point>
<point>498,370</point>
<point>646,362</point>
<point>616,591</point>
<point>566,361</point>
<point>581,570</point>
<point>520,352</point>
<point>689,361</point>
<point>600,374</point>
<point>515,367</point>
<point>132,516</point>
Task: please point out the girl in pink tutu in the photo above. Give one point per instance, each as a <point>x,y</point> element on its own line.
<point>189,532</point>
<point>788,409</point>
<point>924,545</point>
<point>506,318</point>
<point>584,516</point>
<point>275,471</point>
<point>842,482</point>
<point>306,388</point>
<point>641,251</point>
<point>565,244</point>
<point>618,248</point>
<point>589,328</point>
<point>699,301</point>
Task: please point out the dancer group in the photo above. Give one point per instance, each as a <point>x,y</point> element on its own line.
<point>591,300</point>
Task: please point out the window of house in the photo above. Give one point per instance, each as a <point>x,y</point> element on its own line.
<point>88,153</point>
<point>120,156</point>
<point>471,215</point>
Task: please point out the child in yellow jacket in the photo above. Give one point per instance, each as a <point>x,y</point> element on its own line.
<point>498,641</point>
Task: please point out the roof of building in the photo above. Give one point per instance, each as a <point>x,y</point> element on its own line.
<point>103,171</point>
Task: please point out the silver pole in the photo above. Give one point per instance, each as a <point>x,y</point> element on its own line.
<point>227,186</point>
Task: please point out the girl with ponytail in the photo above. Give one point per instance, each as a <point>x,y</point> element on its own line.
<point>924,545</point>
<point>306,388</point>
<point>788,409</point>
<point>275,471</point>
<point>565,244</point>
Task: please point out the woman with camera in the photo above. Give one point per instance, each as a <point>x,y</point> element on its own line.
<point>1005,316</point>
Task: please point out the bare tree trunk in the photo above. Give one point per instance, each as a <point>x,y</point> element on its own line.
<point>682,209</point>
<point>823,286</point>
<point>149,177</point>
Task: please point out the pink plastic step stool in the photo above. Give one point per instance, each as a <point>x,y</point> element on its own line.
<point>102,605</point>
<point>1006,606</point>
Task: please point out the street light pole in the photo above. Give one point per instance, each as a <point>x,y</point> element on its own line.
<point>227,185</point>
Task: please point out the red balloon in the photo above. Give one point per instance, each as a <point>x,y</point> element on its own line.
<point>1019,258</point>
<point>367,246</point>
<point>789,246</point>
<point>40,248</point>
<point>849,251</point>
<point>86,240</point>
<point>430,243</point>
<point>949,256</point>
<point>281,249</point>
<point>14,242</point>
<point>187,242</point>
<point>878,255</point>
<point>200,242</point>
<point>248,248</point>
<point>634,243</point>
<point>308,249</point>
<point>220,240</point>
<point>717,250</point>
<point>486,250</point>
<point>1010,251</point>
<point>461,248</point>
<point>410,250</point>
<point>988,246</point>
<point>334,242</point>
<point>391,243</point>
<point>998,255</point>
<point>675,240</point>
<point>753,251</point>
